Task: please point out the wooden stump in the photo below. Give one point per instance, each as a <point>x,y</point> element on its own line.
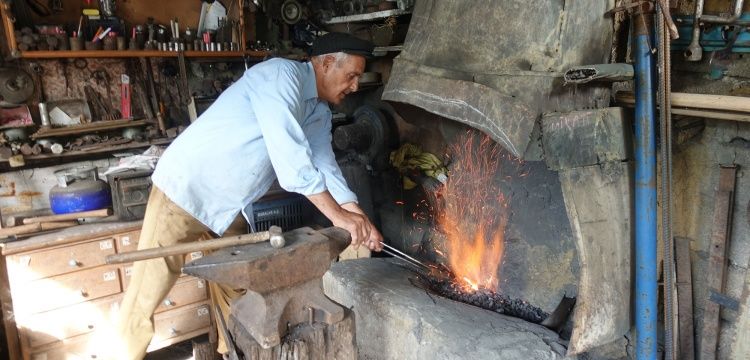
<point>204,349</point>
<point>318,341</point>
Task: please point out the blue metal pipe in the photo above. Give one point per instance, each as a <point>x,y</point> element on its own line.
<point>646,294</point>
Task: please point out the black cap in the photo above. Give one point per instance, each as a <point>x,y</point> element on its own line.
<point>341,42</point>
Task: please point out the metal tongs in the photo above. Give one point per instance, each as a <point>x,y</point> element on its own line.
<point>390,250</point>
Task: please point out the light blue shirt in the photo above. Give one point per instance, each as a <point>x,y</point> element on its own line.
<point>269,124</point>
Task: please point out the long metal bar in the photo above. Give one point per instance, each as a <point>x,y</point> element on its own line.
<point>665,120</point>
<point>390,250</point>
<point>645,191</point>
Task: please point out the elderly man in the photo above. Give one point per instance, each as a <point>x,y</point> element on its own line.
<point>274,123</point>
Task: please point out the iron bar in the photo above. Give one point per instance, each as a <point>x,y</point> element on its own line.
<point>665,121</point>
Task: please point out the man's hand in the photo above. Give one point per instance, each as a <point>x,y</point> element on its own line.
<point>351,218</point>
<point>375,241</point>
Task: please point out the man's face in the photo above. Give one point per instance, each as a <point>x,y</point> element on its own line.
<point>340,78</point>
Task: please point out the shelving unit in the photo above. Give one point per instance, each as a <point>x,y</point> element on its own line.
<point>135,54</point>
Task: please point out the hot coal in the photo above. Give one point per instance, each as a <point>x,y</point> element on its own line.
<point>445,285</point>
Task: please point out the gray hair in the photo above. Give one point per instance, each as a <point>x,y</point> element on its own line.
<point>337,56</point>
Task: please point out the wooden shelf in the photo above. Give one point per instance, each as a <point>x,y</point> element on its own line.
<point>135,54</point>
<point>107,149</point>
<point>102,125</point>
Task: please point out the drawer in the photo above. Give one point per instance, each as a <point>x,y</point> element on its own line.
<point>181,321</point>
<point>65,290</point>
<point>187,290</point>
<point>127,242</point>
<point>26,267</point>
<point>82,347</point>
<point>47,327</point>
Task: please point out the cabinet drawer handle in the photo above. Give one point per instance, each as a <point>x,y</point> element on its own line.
<point>74,263</point>
<point>168,302</point>
<point>172,331</point>
<point>91,327</point>
<point>84,293</point>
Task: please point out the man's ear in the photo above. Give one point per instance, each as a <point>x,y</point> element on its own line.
<point>328,61</point>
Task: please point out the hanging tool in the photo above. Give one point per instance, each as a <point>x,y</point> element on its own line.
<point>43,114</point>
<point>102,78</point>
<point>146,63</point>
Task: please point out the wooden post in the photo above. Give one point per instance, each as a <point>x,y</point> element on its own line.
<point>717,263</point>
<point>684,299</point>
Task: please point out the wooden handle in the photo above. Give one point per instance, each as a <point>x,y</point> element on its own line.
<point>70,216</point>
<point>181,249</point>
<point>36,227</point>
<point>697,101</point>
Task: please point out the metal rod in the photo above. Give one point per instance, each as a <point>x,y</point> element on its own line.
<point>718,19</point>
<point>663,56</point>
<point>645,191</point>
<point>695,51</point>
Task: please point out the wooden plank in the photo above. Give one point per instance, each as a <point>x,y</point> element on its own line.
<point>69,235</point>
<point>9,319</point>
<point>85,128</point>
<point>70,216</point>
<point>37,227</point>
<point>686,344</point>
<point>10,35</point>
<point>717,263</point>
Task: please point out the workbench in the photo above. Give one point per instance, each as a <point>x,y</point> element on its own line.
<point>56,291</point>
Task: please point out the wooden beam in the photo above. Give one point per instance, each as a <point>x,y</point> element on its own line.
<point>717,263</point>
<point>686,345</point>
<point>698,101</point>
<point>32,228</point>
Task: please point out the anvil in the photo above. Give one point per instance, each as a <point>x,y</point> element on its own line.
<point>283,285</point>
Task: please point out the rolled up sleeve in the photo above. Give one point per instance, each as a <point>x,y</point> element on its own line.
<point>278,107</point>
<point>325,160</point>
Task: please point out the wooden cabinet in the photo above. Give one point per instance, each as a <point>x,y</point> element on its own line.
<point>56,297</point>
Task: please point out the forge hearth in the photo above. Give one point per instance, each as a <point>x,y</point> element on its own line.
<point>396,318</point>
<point>446,285</point>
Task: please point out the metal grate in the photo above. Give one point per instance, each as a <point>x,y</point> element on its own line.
<point>289,212</point>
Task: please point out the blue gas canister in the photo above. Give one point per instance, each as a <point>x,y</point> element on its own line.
<point>79,189</point>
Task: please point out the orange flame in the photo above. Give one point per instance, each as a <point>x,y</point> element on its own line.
<point>472,212</point>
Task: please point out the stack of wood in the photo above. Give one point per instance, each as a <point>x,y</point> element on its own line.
<point>19,226</point>
<point>27,40</point>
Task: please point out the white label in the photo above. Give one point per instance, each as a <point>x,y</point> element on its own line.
<point>105,245</point>
<point>25,261</point>
<point>200,284</point>
<point>196,255</point>
<point>125,240</point>
<point>109,275</point>
<point>202,311</point>
<point>128,271</point>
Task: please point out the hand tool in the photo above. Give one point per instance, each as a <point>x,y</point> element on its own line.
<point>186,248</point>
<point>146,64</point>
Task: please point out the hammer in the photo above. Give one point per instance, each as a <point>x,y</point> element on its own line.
<point>273,235</point>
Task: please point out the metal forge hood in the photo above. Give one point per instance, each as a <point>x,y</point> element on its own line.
<point>497,65</point>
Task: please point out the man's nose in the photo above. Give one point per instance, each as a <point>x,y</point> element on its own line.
<point>354,86</point>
